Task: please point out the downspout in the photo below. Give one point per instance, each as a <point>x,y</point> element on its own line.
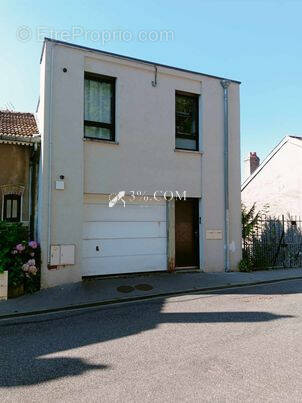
<point>49,158</point>
<point>33,206</point>
<point>31,192</point>
<point>225,85</point>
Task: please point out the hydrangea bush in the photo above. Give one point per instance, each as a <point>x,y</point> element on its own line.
<point>20,257</point>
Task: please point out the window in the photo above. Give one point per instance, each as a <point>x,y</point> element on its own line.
<point>186,115</point>
<point>99,107</point>
<point>12,207</point>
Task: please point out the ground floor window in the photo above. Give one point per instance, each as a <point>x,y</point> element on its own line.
<point>12,207</point>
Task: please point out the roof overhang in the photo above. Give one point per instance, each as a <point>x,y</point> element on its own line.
<point>131,59</point>
<point>20,140</point>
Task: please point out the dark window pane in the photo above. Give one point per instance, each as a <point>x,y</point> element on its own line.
<point>186,144</point>
<point>186,115</point>
<point>186,121</point>
<point>98,132</point>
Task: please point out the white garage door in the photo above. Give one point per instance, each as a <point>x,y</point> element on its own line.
<point>123,239</point>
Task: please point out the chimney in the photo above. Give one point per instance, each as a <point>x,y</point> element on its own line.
<point>251,163</point>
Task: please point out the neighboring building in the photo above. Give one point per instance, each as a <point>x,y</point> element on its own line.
<point>277,181</point>
<point>19,138</point>
<point>112,124</point>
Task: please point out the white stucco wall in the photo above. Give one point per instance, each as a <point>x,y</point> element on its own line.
<point>279,183</point>
<point>144,158</point>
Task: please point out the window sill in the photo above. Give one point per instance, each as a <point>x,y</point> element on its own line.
<point>101,140</point>
<point>180,150</point>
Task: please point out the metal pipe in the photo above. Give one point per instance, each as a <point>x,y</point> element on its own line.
<point>225,85</point>
<point>49,207</point>
<point>154,83</point>
<point>33,187</point>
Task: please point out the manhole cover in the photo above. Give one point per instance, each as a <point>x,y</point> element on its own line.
<point>144,287</point>
<point>125,288</point>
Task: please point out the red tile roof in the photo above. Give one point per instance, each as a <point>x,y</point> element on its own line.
<point>18,124</point>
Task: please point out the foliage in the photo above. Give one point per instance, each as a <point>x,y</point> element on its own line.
<point>10,235</point>
<point>253,234</point>
<point>249,220</point>
<point>269,241</point>
<point>20,257</point>
<point>245,264</point>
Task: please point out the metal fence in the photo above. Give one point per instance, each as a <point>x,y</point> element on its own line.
<point>275,242</point>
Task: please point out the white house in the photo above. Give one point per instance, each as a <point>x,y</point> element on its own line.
<point>277,181</point>
<point>114,125</point>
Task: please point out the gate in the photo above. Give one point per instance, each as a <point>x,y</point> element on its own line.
<point>275,242</point>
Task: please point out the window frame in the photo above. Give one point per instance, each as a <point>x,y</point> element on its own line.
<point>194,136</point>
<point>110,126</point>
<point>12,196</point>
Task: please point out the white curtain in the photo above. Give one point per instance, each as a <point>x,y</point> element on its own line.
<point>97,101</point>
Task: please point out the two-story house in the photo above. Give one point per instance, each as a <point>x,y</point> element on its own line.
<point>140,166</point>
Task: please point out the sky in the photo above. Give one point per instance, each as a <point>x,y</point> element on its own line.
<point>256,42</point>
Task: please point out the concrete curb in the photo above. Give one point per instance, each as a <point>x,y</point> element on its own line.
<point>143,298</point>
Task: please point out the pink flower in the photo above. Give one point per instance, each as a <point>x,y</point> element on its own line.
<point>32,270</point>
<point>25,267</point>
<point>20,247</point>
<point>31,262</point>
<point>33,244</point>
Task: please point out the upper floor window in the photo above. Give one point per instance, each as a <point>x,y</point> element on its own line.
<point>11,207</point>
<point>186,115</point>
<point>99,107</point>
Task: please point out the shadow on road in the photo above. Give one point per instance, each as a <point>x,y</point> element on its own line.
<point>25,343</point>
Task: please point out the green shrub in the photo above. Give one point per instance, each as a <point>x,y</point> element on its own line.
<point>19,256</point>
<point>245,264</point>
<point>11,234</point>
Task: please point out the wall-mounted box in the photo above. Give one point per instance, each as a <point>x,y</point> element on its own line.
<point>55,251</point>
<point>67,254</point>
<point>61,255</point>
<point>60,185</point>
<point>214,234</point>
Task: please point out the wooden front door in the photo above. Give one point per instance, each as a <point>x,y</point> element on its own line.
<point>186,233</point>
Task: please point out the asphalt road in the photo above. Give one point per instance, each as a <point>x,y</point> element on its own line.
<point>230,346</point>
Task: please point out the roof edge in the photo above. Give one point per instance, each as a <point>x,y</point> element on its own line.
<point>265,161</point>
<point>18,138</point>
<point>133,59</point>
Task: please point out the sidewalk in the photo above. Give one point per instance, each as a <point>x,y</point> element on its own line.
<point>99,292</point>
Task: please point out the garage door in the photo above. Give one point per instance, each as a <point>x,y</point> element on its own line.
<point>121,239</point>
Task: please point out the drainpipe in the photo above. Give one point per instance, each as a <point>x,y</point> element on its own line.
<point>225,85</point>
<point>49,184</point>
<point>31,194</point>
<point>33,188</point>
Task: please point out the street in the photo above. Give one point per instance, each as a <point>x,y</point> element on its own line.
<point>234,345</point>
